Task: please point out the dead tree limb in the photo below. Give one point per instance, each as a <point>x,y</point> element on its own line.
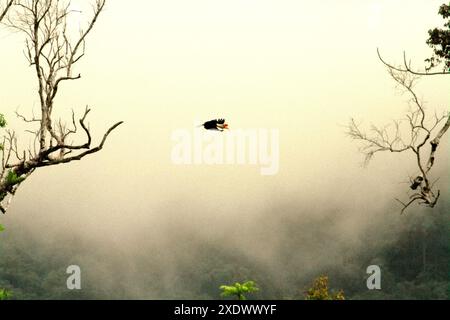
<point>4,8</point>
<point>53,51</point>
<point>406,67</point>
<point>418,133</point>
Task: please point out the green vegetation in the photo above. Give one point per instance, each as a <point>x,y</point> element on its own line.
<point>439,41</point>
<point>239,290</point>
<point>320,291</point>
<point>5,294</point>
<point>3,122</point>
<point>413,253</point>
<point>12,178</point>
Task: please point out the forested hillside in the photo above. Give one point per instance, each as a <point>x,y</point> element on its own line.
<point>414,258</point>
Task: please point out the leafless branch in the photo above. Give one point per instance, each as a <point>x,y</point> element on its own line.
<point>411,134</point>
<point>53,52</point>
<point>407,67</point>
<point>5,8</point>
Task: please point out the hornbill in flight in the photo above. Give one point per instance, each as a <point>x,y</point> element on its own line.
<point>218,124</point>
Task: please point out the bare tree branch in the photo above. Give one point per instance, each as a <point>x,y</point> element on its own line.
<point>53,52</point>
<point>4,9</point>
<point>407,67</point>
<point>410,134</point>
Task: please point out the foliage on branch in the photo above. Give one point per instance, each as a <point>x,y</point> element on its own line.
<point>3,122</point>
<point>421,131</point>
<point>239,290</point>
<point>5,294</point>
<point>439,41</point>
<point>320,291</point>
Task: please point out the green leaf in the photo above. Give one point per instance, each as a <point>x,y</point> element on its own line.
<point>239,289</point>
<point>3,122</point>
<point>13,179</point>
<point>5,294</point>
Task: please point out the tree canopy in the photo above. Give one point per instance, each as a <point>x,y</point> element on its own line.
<point>439,41</point>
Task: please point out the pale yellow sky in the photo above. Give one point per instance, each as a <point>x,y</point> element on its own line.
<point>304,67</point>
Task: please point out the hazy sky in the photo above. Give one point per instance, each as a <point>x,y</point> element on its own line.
<point>303,67</point>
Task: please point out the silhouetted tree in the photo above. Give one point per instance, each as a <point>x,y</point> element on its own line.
<point>439,41</point>
<point>320,291</point>
<point>53,52</point>
<point>421,131</point>
<point>239,290</point>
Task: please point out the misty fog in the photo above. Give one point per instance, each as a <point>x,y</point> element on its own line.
<point>138,223</point>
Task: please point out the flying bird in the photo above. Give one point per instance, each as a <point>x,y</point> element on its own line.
<point>218,124</point>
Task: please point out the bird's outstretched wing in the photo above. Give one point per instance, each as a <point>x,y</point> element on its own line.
<point>210,124</point>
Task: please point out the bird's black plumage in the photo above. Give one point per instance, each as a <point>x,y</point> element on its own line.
<point>216,124</point>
